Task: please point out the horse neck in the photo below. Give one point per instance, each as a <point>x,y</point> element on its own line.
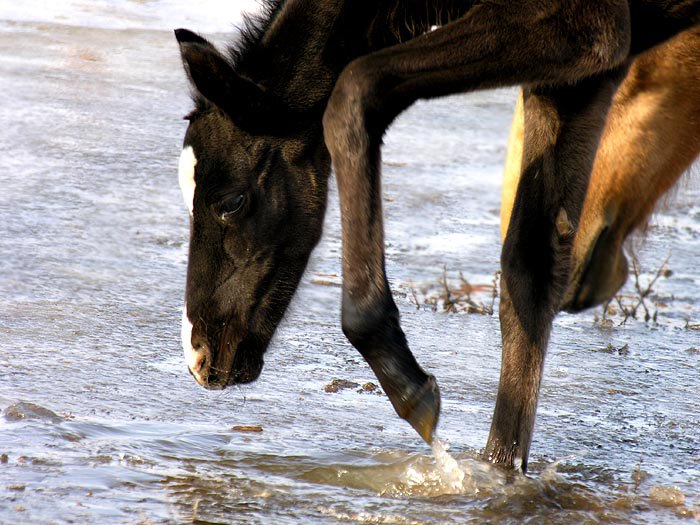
<point>303,46</point>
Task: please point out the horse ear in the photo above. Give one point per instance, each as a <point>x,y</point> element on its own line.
<point>214,78</point>
<point>245,102</point>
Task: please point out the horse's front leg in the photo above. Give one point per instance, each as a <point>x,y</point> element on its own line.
<point>370,318</point>
<point>561,133</point>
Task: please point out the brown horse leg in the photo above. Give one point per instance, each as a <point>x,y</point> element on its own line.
<point>563,125</point>
<point>495,44</point>
<point>651,137</point>
<point>598,264</point>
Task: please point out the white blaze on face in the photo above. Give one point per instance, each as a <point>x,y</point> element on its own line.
<point>186,335</point>
<point>186,176</point>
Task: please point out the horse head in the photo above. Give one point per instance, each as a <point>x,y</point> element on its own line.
<point>254,179</point>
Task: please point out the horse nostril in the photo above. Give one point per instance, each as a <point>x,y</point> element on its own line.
<point>198,360</point>
<point>199,363</point>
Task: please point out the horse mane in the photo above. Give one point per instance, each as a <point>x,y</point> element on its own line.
<point>252,31</point>
<point>393,21</point>
<point>402,19</point>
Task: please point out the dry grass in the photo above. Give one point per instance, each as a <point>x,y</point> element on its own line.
<point>623,307</point>
<point>459,296</point>
<point>445,294</point>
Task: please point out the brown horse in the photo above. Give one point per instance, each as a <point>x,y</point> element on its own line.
<point>651,137</point>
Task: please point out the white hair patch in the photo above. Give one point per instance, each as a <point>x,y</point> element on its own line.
<point>186,335</point>
<point>186,176</point>
<point>197,360</point>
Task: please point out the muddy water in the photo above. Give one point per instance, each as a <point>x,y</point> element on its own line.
<point>100,422</point>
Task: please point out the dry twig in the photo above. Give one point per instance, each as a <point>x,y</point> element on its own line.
<point>456,298</point>
<point>628,306</point>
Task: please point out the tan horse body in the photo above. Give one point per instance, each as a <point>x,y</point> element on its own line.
<point>651,137</point>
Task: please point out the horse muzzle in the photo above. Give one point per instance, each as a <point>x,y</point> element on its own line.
<point>226,361</point>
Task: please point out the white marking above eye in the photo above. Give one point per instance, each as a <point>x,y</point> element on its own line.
<point>186,176</point>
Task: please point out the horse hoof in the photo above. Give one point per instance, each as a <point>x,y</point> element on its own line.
<point>425,411</point>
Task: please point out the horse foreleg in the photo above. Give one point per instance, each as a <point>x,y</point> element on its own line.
<point>370,318</point>
<point>495,44</point>
<point>561,130</point>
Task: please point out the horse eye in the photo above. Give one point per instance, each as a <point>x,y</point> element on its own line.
<point>230,206</point>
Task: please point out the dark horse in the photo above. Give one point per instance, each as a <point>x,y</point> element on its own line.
<point>321,80</point>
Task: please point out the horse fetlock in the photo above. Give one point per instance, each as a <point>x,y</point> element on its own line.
<point>499,453</point>
<point>364,321</point>
<point>504,449</point>
<point>414,394</point>
<point>364,330</point>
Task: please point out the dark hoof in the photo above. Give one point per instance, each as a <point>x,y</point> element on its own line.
<point>599,280</point>
<point>424,410</point>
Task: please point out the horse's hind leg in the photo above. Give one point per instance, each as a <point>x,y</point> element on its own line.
<point>652,135</point>
<point>495,44</point>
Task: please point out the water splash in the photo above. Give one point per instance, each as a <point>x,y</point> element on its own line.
<point>401,474</point>
<point>451,473</point>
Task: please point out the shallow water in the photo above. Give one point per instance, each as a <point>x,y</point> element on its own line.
<point>102,424</point>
